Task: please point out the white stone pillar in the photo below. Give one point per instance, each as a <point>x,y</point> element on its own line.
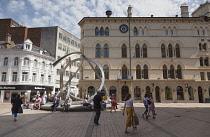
<point>2,96</point>
<point>28,92</point>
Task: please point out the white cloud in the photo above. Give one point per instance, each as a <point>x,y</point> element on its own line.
<point>15,5</point>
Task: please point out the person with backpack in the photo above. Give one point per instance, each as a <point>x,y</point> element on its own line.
<point>113,102</point>
<point>151,105</point>
<point>145,101</point>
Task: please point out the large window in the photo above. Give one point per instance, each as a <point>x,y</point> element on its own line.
<point>5,61</point>
<point>138,72</point>
<point>49,79</point>
<point>16,61</point>
<point>177,51</point>
<point>165,72</point>
<point>170,49</point>
<point>135,31</point>
<point>106,51</point>
<point>163,51</point>
<point>168,93</point>
<point>206,61</point>
<point>124,51</point>
<point>107,31</point>
<point>137,93</point>
<point>25,76</point>
<point>96,31</point>
<point>124,72</point>
<point>137,50</point>
<point>97,73</point>
<point>144,51</point>
<point>179,72</point>
<point>98,51</point>
<point>34,77</point>
<point>26,62</point>
<point>43,65</point>
<point>14,76</point>
<point>106,71</point>
<point>172,72</point>
<point>42,78</point>
<point>3,76</point>
<point>101,31</point>
<point>145,72</point>
<point>180,93</point>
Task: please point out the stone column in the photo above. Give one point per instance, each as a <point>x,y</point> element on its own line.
<point>28,92</point>
<point>2,96</point>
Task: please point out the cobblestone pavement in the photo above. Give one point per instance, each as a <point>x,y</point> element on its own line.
<point>172,120</point>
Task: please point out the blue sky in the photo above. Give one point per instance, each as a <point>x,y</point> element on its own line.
<point>67,13</point>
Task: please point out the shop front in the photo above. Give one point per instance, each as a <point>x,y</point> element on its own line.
<point>9,92</point>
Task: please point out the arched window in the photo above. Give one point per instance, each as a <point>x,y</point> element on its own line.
<point>124,51</point>
<point>163,51</point>
<point>206,61</point>
<point>165,72</point>
<point>35,63</point>
<point>96,31</point>
<point>112,90</point>
<point>138,72</point>
<point>91,90</point>
<point>124,72</point>
<point>106,71</point>
<point>179,72</point>
<point>168,93</point>
<point>107,31</point>
<point>204,46</point>
<point>170,51</point>
<point>145,72</point>
<point>144,51</point>
<point>137,50</point>
<point>5,61</point>
<point>135,31</point>
<point>102,31</point>
<point>201,61</point>
<point>106,51</point>
<point>180,93</point>
<point>177,51</point>
<point>200,46</point>
<point>172,72</point>
<point>16,61</point>
<point>97,73</point>
<point>26,62</point>
<point>137,93</point>
<point>190,93</point>
<point>98,51</point>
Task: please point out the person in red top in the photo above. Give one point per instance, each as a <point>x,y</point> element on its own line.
<point>113,102</point>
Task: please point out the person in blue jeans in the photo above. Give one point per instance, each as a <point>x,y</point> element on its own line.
<point>55,104</point>
<point>146,106</point>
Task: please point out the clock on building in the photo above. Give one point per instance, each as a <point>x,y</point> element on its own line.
<point>123,28</point>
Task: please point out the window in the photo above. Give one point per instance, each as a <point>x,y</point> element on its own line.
<point>137,93</point>
<point>106,51</point>
<point>43,65</point>
<point>124,51</point>
<point>49,79</point>
<point>190,93</point>
<point>144,51</point>
<point>135,31</point>
<point>27,46</point>
<point>96,31</point>
<point>179,72</point>
<point>72,42</point>
<point>91,90</point>
<point>177,51</point>
<point>138,72</point>
<point>107,31</point>
<point>172,72</point>
<point>202,75</point>
<point>97,73</point>
<point>165,72</point>
<point>206,61</point>
<point>101,31</point>
<point>145,72</point>
<point>137,51</point>
<point>208,75</point>
<point>201,61</point>
<point>35,63</point>
<point>25,76</point>
<point>14,76</point>
<point>180,93</point>
<point>51,67</point>
<point>58,71</point>
<point>204,46</point>
<point>170,51</point>
<point>106,71</point>
<point>16,61</point>
<point>168,93</point>
<point>42,78</point>
<point>3,76</point>
<point>5,61</point>
<point>60,36</point>
<point>26,62</point>
<point>98,51</point>
<point>163,51</point>
<point>34,77</point>
<point>124,72</point>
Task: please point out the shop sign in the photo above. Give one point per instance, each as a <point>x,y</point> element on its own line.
<point>25,87</point>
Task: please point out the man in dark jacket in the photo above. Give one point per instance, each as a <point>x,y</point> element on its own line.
<point>16,106</point>
<point>97,106</point>
<point>55,104</point>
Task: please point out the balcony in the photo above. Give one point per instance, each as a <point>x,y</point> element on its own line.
<point>124,77</point>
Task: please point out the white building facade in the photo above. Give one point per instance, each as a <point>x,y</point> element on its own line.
<point>165,56</point>
<point>25,69</point>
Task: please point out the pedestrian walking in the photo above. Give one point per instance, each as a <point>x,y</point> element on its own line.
<point>152,107</point>
<point>146,106</point>
<point>97,106</point>
<point>129,110</point>
<point>113,102</point>
<point>16,106</point>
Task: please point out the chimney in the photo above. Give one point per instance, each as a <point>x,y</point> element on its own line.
<point>8,40</point>
<point>129,11</point>
<point>184,10</point>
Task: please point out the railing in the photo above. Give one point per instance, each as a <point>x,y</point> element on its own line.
<point>124,77</point>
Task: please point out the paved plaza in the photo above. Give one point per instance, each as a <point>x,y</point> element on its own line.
<point>172,120</point>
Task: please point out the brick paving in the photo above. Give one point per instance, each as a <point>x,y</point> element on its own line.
<point>173,120</point>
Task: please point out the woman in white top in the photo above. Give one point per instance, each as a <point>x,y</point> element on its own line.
<point>129,110</point>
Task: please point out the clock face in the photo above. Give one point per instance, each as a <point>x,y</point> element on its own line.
<point>123,28</point>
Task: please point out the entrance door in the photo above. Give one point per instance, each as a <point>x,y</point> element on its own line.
<point>157,94</point>
<point>200,95</point>
<point>125,91</point>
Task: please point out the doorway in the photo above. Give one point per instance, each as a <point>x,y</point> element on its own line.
<point>125,91</point>
<point>157,94</point>
<point>200,95</point>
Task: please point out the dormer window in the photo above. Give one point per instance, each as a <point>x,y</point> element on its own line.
<point>27,46</point>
